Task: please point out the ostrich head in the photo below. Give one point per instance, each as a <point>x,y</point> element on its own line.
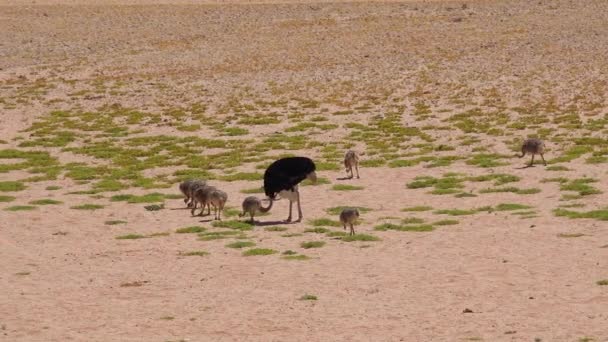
<point>286,173</point>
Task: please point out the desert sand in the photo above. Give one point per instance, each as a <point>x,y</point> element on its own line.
<point>123,99</point>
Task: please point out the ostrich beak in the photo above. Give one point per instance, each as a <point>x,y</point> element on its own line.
<point>312,176</point>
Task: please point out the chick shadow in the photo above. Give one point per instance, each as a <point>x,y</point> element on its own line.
<point>345,178</point>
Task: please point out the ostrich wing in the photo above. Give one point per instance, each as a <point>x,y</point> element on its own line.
<point>286,173</point>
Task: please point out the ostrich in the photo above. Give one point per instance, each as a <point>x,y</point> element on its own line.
<point>218,199</point>
<point>251,205</point>
<point>351,159</point>
<point>349,216</point>
<point>533,146</point>
<point>201,195</point>
<point>187,188</point>
<point>283,176</point>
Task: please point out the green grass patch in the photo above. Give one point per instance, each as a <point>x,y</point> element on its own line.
<point>189,230</point>
<point>360,237</point>
<point>602,282</point>
<point>275,229</point>
<point>288,235</point>
<point>557,168</point>
<point>114,222</point>
<point>207,236</point>
<point>20,208</point>
<point>52,188</point>
<point>412,220</point>
<point>159,234</point>
<point>296,257</point>
<point>233,224</point>
<point>235,131</point>
<point>581,186</point>
<point>445,223</point>
<point>308,297</point>
<point>336,234</point>
<point>242,176</point>
<point>486,160</point>
<point>372,162</point>
<point>512,189</point>
<point>6,199</point>
<point>601,214</point>
<point>194,253</point>
<point>338,210</point>
<point>325,222</point>
<point>87,207</point>
<point>318,230</point>
<point>240,244</point>
<point>312,244</point>
<point>417,208</point>
<point>320,181</point>
<point>404,228</point>
<point>130,237</point>
<point>511,206</point>
<point>11,186</point>
<point>259,251</point>
<point>45,202</point>
<point>346,187</point>
<point>455,212</point>
<point>252,191</point>
<point>148,198</point>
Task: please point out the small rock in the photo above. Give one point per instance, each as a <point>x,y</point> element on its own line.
<point>467,310</point>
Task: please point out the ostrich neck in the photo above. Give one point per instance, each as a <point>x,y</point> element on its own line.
<point>267,209</point>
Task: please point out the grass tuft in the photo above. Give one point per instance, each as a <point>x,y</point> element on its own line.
<point>11,186</point>
<point>360,237</point>
<point>130,237</point>
<point>87,207</point>
<point>233,224</point>
<point>45,202</point>
<point>308,297</point>
<point>192,229</point>
<point>20,208</point>
<point>259,251</point>
<point>240,244</point>
<point>312,244</point>
<point>346,187</point>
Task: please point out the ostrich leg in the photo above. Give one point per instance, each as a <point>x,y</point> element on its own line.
<point>290,206</point>
<point>299,206</point>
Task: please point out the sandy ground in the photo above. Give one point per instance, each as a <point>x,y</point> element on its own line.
<point>65,276</point>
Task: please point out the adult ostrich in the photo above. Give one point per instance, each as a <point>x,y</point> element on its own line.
<point>283,176</point>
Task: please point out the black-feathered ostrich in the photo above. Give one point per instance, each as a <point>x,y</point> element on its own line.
<point>283,176</point>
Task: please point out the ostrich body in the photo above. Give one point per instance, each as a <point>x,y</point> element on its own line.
<point>351,159</point>
<point>251,205</point>
<point>533,146</point>
<point>202,196</point>
<point>188,187</point>
<point>218,199</point>
<point>349,216</point>
<point>283,176</point>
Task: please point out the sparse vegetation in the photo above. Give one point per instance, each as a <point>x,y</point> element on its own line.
<point>87,207</point>
<point>20,208</point>
<point>346,187</point>
<point>194,253</point>
<point>259,251</point>
<point>312,244</point>
<point>192,229</point>
<point>240,244</point>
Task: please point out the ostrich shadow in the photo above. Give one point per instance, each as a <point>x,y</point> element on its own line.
<point>269,223</point>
